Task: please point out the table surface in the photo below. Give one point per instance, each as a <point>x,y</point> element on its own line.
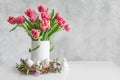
<point>79,70</point>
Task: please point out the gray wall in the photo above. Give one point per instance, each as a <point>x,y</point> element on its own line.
<point>95,33</point>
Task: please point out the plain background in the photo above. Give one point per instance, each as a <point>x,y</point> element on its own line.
<point>95,30</point>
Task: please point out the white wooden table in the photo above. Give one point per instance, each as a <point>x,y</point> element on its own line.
<point>79,70</point>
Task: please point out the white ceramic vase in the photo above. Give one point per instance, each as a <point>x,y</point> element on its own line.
<point>42,53</point>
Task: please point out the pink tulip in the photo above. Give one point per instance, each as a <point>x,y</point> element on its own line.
<point>20,20</point>
<point>59,16</point>
<point>11,20</point>
<point>67,27</point>
<point>60,19</point>
<point>29,12</point>
<point>45,25</point>
<point>42,8</point>
<point>61,22</point>
<point>45,16</point>
<point>35,33</point>
<point>33,18</point>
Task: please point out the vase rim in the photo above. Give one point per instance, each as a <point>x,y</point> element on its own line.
<point>42,41</point>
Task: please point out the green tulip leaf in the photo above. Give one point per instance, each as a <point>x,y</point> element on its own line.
<point>13,28</point>
<point>30,50</point>
<point>52,14</point>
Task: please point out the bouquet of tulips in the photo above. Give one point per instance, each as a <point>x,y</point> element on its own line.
<point>40,26</point>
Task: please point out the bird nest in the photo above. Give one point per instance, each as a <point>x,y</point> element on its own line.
<point>38,68</point>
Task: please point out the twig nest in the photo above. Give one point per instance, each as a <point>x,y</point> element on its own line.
<point>65,65</point>
<point>29,63</point>
<point>27,66</point>
<point>46,63</point>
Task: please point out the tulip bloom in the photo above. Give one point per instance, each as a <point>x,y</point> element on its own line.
<point>42,8</point>
<point>67,27</point>
<point>12,20</point>
<point>61,22</point>
<point>45,16</point>
<point>20,20</point>
<point>33,18</point>
<point>29,12</point>
<point>59,16</point>
<point>35,33</point>
<point>60,19</point>
<point>45,25</point>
